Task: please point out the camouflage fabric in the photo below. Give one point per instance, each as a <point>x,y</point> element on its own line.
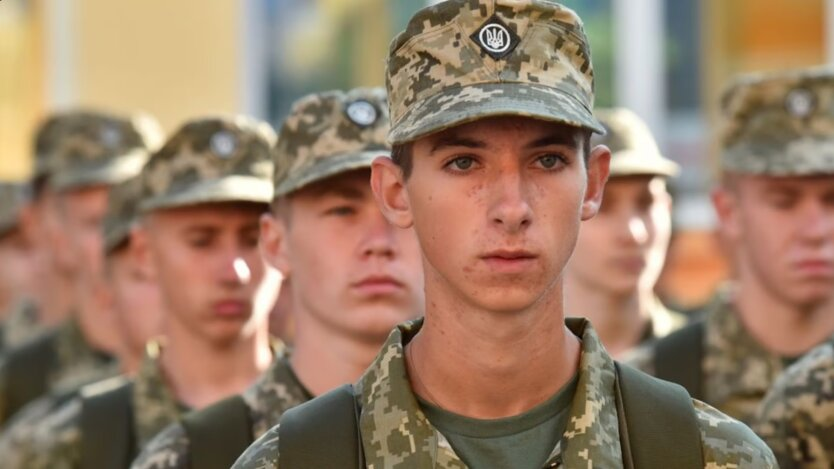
<point>21,325</point>
<point>56,441</point>
<point>397,435</point>
<point>275,391</point>
<point>12,198</point>
<point>84,148</point>
<point>634,150</point>
<point>76,364</point>
<point>796,418</point>
<point>462,60</point>
<point>122,205</point>
<point>330,133</point>
<point>211,160</point>
<point>779,124</point>
<point>737,371</point>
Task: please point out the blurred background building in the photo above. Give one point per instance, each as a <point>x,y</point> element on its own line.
<point>666,59</point>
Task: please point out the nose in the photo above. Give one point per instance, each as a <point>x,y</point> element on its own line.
<point>637,230</point>
<point>511,210</point>
<point>817,224</point>
<point>379,239</point>
<point>236,271</point>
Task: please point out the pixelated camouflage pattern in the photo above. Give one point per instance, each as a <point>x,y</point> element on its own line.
<point>21,324</point>
<point>439,77</point>
<point>319,139</point>
<point>796,418</point>
<point>122,212</point>
<point>84,148</point>
<point>764,133</point>
<point>633,148</point>
<point>56,441</point>
<point>274,393</point>
<point>12,199</point>
<point>737,371</point>
<point>76,365</point>
<point>397,435</point>
<point>189,169</point>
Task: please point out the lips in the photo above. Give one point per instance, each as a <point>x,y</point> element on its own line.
<point>231,308</point>
<point>816,267</point>
<point>375,285</point>
<point>509,260</point>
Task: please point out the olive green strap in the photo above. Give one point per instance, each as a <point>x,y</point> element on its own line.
<point>28,369</point>
<point>657,421</point>
<point>218,434</point>
<point>323,432</point>
<point>678,358</point>
<point>107,433</point>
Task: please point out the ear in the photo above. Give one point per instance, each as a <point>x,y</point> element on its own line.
<point>273,243</point>
<point>389,189</point>
<point>597,173</point>
<point>725,201</point>
<point>140,253</point>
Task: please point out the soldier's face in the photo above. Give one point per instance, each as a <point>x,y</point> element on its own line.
<point>205,259</point>
<point>81,215</point>
<point>781,230</point>
<point>349,269</point>
<point>622,250</point>
<point>496,205</point>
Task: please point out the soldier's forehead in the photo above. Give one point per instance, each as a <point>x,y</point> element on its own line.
<point>477,130</point>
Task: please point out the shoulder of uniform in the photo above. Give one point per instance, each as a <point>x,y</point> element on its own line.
<point>726,442</point>
<point>35,345</point>
<point>641,358</point>
<point>167,450</point>
<point>262,453</point>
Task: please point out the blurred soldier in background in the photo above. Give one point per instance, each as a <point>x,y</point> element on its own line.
<point>16,253</point>
<point>126,293</point>
<point>776,208</point>
<point>202,196</point>
<point>89,152</point>
<point>620,252</point>
<point>354,276</point>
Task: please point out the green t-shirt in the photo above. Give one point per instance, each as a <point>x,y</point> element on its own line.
<point>520,442</point>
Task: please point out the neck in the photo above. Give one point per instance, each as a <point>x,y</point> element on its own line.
<point>620,320</point>
<point>201,373</point>
<point>321,369</point>
<point>781,327</point>
<point>505,363</point>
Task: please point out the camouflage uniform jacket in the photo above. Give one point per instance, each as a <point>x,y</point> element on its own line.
<point>76,364</point>
<point>20,325</point>
<point>397,435</point>
<point>736,370</point>
<point>56,441</point>
<point>797,417</point>
<point>275,391</point>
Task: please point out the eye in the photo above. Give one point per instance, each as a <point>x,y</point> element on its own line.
<point>550,161</point>
<point>341,211</point>
<point>461,163</point>
<point>200,242</point>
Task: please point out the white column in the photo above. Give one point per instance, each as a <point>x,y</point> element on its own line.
<point>254,61</point>
<point>829,31</point>
<point>61,91</point>
<point>639,39</point>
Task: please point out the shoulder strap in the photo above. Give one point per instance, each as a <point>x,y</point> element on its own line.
<point>658,426</point>
<point>323,432</point>
<point>107,434</point>
<point>218,434</point>
<point>678,358</point>
<point>28,371</point>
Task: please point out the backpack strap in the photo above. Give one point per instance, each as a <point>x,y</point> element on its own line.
<point>678,358</point>
<point>218,434</point>
<point>28,369</point>
<point>107,426</point>
<point>323,432</point>
<point>658,425</point>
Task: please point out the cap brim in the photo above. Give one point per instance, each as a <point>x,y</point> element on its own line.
<point>633,164</point>
<point>227,189</point>
<point>456,106</point>
<point>115,171</point>
<point>328,167</point>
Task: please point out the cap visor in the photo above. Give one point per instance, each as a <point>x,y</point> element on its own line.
<point>328,167</point>
<point>113,172</point>
<point>227,189</point>
<point>633,164</point>
<point>456,106</point>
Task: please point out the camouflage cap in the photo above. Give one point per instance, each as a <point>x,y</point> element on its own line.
<point>12,197</point>
<point>211,160</point>
<point>330,133</point>
<point>463,60</point>
<point>122,213</point>
<point>779,124</point>
<point>633,148</point>
<point>83,148</point>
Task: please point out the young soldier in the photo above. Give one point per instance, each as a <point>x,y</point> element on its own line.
<point>775,207</point>
<point>620,252</point>
<point>491,116</point>
<point>16,262</point>
<point>354,276</point>
<point>90,153</point>
<point>796,418</point>
<point>201,199</point>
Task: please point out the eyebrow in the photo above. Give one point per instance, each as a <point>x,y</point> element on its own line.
<point>347,192</point>
<point>456,141</point>
<point>553,139</point>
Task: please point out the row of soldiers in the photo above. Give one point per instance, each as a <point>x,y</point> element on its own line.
<point>143,338</point>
